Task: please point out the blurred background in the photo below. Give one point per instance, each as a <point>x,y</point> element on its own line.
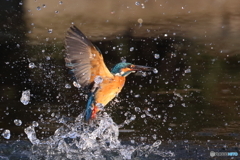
<point>194,97</point>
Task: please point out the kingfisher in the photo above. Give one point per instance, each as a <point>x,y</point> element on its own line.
<point>90,72</point>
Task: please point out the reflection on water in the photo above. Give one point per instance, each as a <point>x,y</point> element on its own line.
<point>189,104</point>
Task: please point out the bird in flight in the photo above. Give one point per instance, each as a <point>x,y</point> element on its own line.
<point>87,64</point>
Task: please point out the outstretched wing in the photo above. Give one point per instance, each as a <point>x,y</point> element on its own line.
<point>83,58</point>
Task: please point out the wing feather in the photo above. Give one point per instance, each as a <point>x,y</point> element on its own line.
<point>83,58</point>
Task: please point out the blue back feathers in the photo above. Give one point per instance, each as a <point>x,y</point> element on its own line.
<point>117,68</point>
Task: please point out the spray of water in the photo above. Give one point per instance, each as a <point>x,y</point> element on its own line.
<point>97,139</point>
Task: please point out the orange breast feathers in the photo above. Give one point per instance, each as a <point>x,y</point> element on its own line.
<point>108,89</point>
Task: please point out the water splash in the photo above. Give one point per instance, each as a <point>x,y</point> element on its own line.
<point>6,134</point>
<point>17,122</point>
<point>98,79</point>
<point>25,97</point>
<point>76,84</point>
<point>156,56</point>
<point>97,139</point>
<point>155,70</point>
<point>31,65</point>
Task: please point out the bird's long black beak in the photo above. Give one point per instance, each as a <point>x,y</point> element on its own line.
<point>141,68</point>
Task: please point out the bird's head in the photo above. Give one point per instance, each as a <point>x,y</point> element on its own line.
<point>124,69</point>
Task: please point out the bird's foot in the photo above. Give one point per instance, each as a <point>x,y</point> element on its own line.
<point>94,112</point>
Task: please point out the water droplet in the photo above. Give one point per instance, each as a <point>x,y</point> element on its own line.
<point>60,2</point>
<point>131,49</point>
<point>53,114</point>
<point>50,30</point>
<point>142,6</point>
<point>144,74</point>
<point>140,20</point>
<point>123,59</point>
<point>17,122</point>
<point>137,109</point>
<point>188,70</point>
<point>44,6</point>
<point>159,116</point>
<point>6,134</point>
<point>56,12</point>
<point>38,8</point>
<point>183,104</point>
<point>156,56</point>
<point>127,121</point>
<point>48,58</point>
<point>137,95</point>
<point>100,106</point>
<point>35,124</point>
<point>177,69</point>
<point>133,117</point>
<point>75,84</point>
<point>165,35</point>
<point>25,97</point>
<point>154,136</point>
<point>67,85</point>
<point>31,65</point>
<point>143,116</point>
<point>98,79</point>
<point>170,105</point>
<point>155,70</point>
<point>137,3</point>
<point>20,3</point>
